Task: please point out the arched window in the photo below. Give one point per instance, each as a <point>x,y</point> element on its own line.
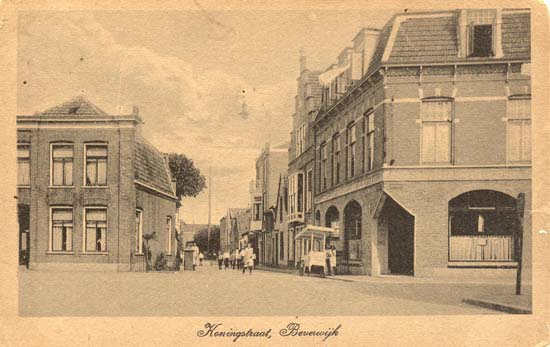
<point>482,224</point>
<point>332,217</point>
<point>353,230</point>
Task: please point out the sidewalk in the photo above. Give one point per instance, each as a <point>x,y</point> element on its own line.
<point>518,304</point>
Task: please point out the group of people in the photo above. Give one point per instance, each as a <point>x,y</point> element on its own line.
<point>237,259</point>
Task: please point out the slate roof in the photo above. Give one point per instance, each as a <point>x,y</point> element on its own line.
<point>150,167</point>
<point>516,35</point>
<point>426,40</point>
<point>76,106</point>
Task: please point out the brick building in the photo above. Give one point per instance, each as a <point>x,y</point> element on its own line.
<point>301,155</point>
<point>233,225</point>
<point>421,156</point>
<point>270,164</point>
<point>90,187</point>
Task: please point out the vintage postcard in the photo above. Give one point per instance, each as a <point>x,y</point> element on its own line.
<point>275,174</point>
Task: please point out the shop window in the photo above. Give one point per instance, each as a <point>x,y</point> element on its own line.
<point>482,224</point>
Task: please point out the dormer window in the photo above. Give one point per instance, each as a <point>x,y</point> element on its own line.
<point>482,33</point>
<point>481,41</point>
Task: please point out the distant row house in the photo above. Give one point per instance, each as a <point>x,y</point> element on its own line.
<point>93,193</point>
<point>414,149</point>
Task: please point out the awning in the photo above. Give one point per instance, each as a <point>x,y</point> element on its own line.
<point>315,232</point>
<point>327,77</point>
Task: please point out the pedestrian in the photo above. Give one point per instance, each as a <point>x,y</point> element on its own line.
<point>201,258</point>
<point>333,260</point>
<point>232,259</point>
<point>226,259</point>
<point>220,260</point>
<point>238,258</point>
<point>328,254</point>
<point>243,259</point>
<point>248,258</point>
<point>196,252</point>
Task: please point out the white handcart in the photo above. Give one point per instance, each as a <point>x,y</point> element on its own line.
<point>311,244</point>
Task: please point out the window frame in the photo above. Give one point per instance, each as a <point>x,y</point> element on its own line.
<point>139,230</point>
<point>21,160</point>
<point>351,140</point>
<point>52,146</point>
<point>168,226</point>
<point>85,174</point>
<point>85,226</point>
<point>309,190</point>
<point>476,18</point>
<point>523,122</point>
<point>450,123</point>
<point>51,224</point>
<point>368,137</point>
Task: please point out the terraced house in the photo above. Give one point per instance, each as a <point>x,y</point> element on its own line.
<point>91,189</point>
<point>423,147</point>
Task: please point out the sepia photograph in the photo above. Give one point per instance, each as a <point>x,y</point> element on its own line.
<point>246,162</point>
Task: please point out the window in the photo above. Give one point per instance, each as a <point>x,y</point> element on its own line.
<point>257,208</point>
<point>518,143</point>
<point>300,139</point>
<point>281,210</point>
<point>336,159</point>
<point>62,165</point>
<point>282,246</point>
<point>95,236</point>
<point>436,131</point>
<point>23,165</point>
<point>96,165</point>
<point>61,233</point>
<point>168,235</point>
<point>368,142</point>
<point>481,33</point>
<point>309,186</point>
<point>350,140</point>
<point>139,232</point>
<point>300,192</point>
<point>324,169</point>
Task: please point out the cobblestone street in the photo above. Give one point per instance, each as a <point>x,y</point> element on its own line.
<point>211,292</point>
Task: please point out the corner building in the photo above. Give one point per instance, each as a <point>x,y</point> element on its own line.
<point>90,190</point>
<point>421,160</point>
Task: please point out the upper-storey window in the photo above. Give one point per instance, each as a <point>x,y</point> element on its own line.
<point>61,165</point>
<point>300,139</point>
<point>518,142</point>
<point>481,40</point>
<point>23,165</point>
<point>96,165</point>
<point>324,166</point>
<point>336,159</point>
<point>436,131</point>
<point>368,141</point>
<point>350,140</point>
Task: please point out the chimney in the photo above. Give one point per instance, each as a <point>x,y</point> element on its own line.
<point>303,61</point>
<point>364,45</point>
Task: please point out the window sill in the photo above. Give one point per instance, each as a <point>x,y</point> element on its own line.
<point>59,253</point>
<point>95,253</point>
<point>56,187</point>
<point>95,187</point>
<point>483,264</point>
<point>139,254</point>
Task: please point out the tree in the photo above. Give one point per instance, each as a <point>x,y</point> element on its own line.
<point>189,180</point>
<point>201,238</point>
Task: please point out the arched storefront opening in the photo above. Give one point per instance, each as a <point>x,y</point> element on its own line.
<point>332,217</point>
<point>353,231</point>
<point>482,224</point>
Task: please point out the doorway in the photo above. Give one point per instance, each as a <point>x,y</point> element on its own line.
<point>400,238</point>
<point>23,214</point>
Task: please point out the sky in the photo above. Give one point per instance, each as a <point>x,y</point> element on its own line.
<point>187,71</point>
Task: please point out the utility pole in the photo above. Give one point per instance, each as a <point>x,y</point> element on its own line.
<point>209,205</point>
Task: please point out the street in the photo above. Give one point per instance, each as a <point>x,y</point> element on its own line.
<point>211,292</point>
